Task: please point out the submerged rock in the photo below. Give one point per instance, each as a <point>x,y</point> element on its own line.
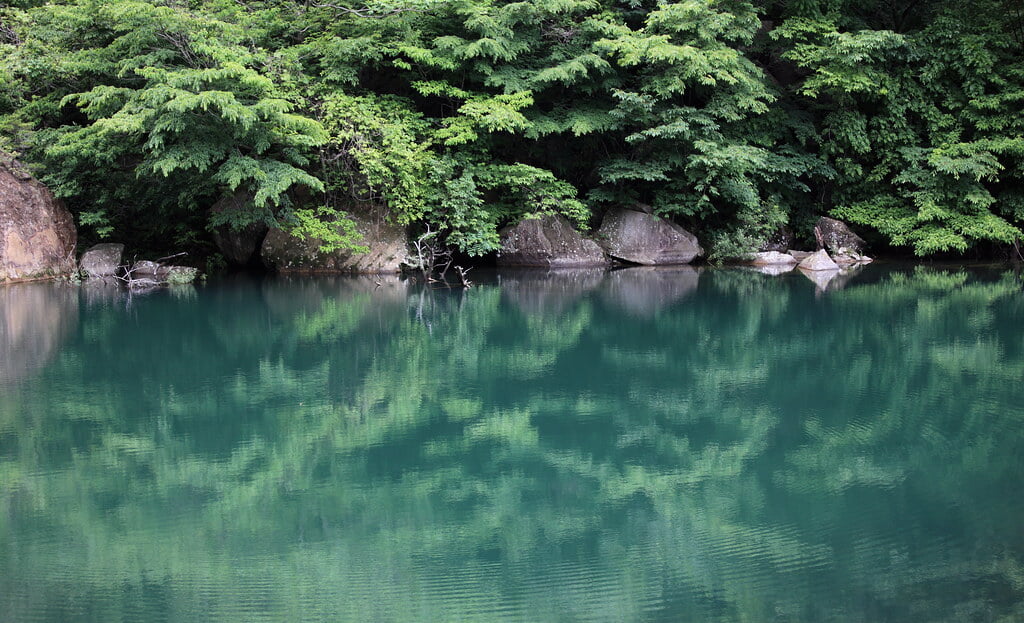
<point>549,241</point>
<point>834,235</point>
<point>641,238</point>
<point>387,242</point>
<point>37,233</point>
<point>818,261</point>
<point>102,260</point>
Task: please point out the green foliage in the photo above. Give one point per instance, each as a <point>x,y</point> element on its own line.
<point>332,228</point>
<point>464,116</point>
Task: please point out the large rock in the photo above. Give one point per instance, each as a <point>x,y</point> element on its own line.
<point>818,261</point>
<point>240,246</point>
<point>835,235</point>
<point>641,238</point>
<point>37,233</point>
<point>549,241</point>
<point>387,242</point>
<point>102,260</point>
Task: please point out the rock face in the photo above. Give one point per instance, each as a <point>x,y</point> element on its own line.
<point>37,233</point>
<point>640,238</point>
<point>239,246</point>
<point>835,235</point>
<point>388,245</point>
<point>818,261</point>
<point>549,241</point>
<point>769,258</point>
<point>102,260</point>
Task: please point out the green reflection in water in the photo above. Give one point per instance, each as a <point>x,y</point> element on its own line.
<point>637,445</point>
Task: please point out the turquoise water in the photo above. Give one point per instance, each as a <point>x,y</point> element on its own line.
<point>641,445</point>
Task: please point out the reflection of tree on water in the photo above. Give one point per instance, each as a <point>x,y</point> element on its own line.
<point>703,461</point>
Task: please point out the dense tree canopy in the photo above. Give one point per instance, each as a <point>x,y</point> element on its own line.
<point>733,117</point>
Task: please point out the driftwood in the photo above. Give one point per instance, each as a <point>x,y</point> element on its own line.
<point>147,275</point>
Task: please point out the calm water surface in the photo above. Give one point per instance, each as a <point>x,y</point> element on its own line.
<point>641,445</point>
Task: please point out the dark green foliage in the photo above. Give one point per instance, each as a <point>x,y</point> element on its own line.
<point>730,116</point>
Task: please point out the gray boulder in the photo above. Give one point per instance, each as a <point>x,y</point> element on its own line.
<point>37,233</point>
<point>835,235</point>
<point>768,258</point>
<point>549,241</point>
<point>849,257</point>
<point>818,261</point>
<point>387,242</point>
<point>102,260</point>
<point>240,246</point>
<point>800,255</point>
<point>641,238</point>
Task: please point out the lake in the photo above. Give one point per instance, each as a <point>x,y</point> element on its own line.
<point>636,445</point>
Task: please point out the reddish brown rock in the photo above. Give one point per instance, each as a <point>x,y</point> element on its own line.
<point>37,233</point>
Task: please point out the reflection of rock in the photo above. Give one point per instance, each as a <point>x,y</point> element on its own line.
<point>387,242</point>
<point>831,280</point>
<point>35,319</point>
<point>37,233</point>
<point>768,258</point>
<point>821,278</point>
<point>535,290</point>
<point>548,241</point>
<point>642,238</point>
<point>834,235</point>
<point>101,291</point>
<point>818,261</point>
<point>102,260</point>
<point>644,291</point>
<point>240,246</point>
<point>775,269</point>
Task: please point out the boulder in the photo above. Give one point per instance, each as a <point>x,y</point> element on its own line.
<point>849,257</point>
<point>102,260</point>
<point>769,258</point>
<point>549,241</point>
<point>834,235</point>
<point>641,238</point>
<point>387,242</point>
<point>240,246</point>
<point>818,261</point>
<point>800,255</point>
<point>146,268</point>
<point>37,233</point>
